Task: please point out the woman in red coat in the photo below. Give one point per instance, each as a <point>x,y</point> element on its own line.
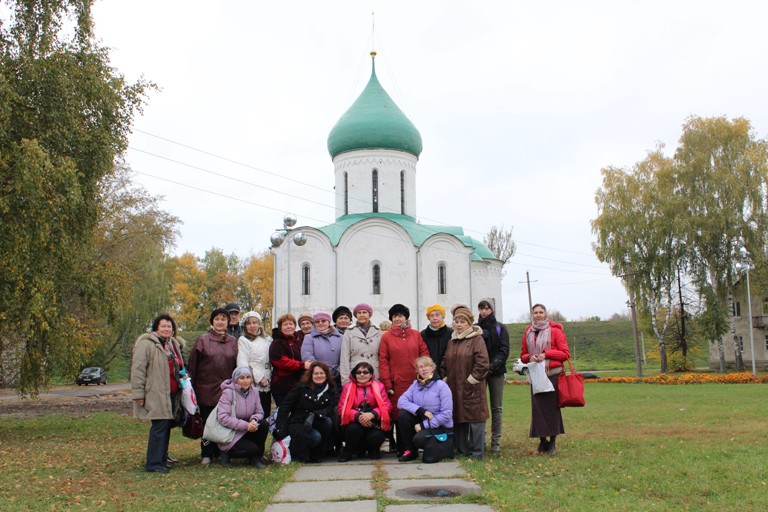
<point>399,348</point>
<point>285,356</point>
<point>544,341</point>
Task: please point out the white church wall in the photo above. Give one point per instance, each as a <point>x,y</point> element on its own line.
<point>319,255</point>
<point>377,241</point>
<point>486,282</point>
<point>449,251</point>
<point>359,166</point>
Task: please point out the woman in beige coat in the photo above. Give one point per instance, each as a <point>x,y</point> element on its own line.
<point>155,367</point>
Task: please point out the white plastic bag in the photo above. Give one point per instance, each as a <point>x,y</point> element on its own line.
<point>537,376</point>
<point>188,398</point>
<point>281,452</point>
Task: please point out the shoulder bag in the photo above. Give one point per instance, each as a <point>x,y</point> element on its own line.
<point>438,445</point>
<point>570,388</point>
<point>215,431</point>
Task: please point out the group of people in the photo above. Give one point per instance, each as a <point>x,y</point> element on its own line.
<point>341,384</point>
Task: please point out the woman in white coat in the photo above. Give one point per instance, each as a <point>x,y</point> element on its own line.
<point>253,352</point>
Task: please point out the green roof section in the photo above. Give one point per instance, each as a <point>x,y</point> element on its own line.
<point>419,233</point>
<point>374,121</point>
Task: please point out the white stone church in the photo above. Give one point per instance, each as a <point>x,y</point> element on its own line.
<point>377,252</point>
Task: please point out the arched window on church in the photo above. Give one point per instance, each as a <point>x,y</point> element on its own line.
<point>346,193</point>
<point>375,189</point>
<point>442,279</point>
<point>402,192</point>
<point>305,279</point>
<point>376,275</point>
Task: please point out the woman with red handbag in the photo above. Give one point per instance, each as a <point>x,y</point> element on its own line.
<point>544,341</point>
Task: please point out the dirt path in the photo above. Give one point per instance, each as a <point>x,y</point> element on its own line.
<point>76,401</point>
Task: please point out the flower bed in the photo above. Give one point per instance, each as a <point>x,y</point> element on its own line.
<point>687,378</point>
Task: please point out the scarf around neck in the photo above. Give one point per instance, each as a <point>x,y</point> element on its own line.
<point>539,337</point>
<point>350,398</point>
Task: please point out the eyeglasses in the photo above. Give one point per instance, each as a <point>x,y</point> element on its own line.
<point>362,372</point>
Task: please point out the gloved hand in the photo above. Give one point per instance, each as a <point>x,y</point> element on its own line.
<point>308,422</point>
<point>278,434</point>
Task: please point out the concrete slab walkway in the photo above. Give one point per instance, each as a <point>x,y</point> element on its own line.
<point>348,486</point>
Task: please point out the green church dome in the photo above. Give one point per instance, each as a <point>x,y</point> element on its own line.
<point>374,121</point>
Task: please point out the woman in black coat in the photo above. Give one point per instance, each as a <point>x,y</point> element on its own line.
<point>308,414</point>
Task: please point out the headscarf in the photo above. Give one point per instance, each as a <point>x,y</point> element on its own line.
<point>240,371</point>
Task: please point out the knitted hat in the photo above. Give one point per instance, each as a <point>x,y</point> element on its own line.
<point>251,314</point>
<point>399,308</point>
<point>304,316</point>
<point>240,371</point>
<point>218,311</point>
<point>232,307</point>
<point>435,307</point>
<point>341,310</point>
<point>321,315</point>
<point>363,307</point>
<point>462,310</point>
<point>485,302</point>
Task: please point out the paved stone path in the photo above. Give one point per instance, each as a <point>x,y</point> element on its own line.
<point>348,487</point>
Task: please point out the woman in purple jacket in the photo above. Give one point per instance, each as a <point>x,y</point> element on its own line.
<point>323,344</point>
<point>248,421</point>
<point>426,405</point>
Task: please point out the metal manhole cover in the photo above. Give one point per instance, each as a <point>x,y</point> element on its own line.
<point>431,493</point>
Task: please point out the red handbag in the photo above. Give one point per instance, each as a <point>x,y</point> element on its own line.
<point>570,389</point>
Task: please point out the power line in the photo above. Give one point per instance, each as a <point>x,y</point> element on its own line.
<point>259,169</point>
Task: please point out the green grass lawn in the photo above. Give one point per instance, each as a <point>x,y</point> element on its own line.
<point>637,447</point>
<point>634,447</point>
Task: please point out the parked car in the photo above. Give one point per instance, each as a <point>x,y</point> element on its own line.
<point>92,375</point>
<point>520,367</point>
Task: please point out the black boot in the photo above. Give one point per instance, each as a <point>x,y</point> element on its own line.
<point>552,447</point>
<point>225,459</point>
<point>543,445</point>
<point>346,455</point>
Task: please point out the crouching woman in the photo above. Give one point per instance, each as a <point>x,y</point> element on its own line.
<point>308,414</point>
<point>240,409</point>
<point>426,405</point>
<point>364,410</point>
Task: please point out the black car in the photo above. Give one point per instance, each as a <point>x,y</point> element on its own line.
<point>93,375</point>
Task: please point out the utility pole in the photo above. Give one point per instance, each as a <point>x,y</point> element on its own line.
<point>631,284</point>
<point>528,281</point>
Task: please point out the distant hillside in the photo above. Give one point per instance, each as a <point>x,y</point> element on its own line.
<point>594,345</point>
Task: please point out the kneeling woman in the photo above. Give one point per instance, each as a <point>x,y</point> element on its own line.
<point>308,414</point>
<point>248,421</point>
<point>364,411</point>
<point>426,405</point>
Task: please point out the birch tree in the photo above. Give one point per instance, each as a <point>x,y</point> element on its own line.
<point>635,233</point>
<point>722,178</point>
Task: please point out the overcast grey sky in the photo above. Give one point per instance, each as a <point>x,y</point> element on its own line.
<point>519,105</point>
